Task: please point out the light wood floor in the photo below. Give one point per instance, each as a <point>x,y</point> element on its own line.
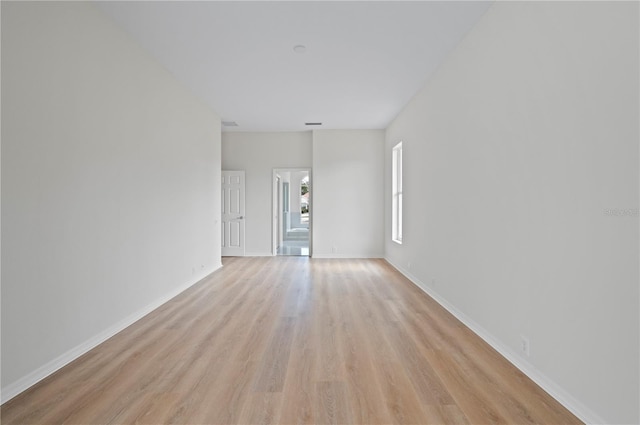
<point>290,340</point>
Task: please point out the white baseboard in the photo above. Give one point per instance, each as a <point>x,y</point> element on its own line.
<point>258,254</point>
<point>334,255</point>
<point>27,381</point>
<point>576,407</point>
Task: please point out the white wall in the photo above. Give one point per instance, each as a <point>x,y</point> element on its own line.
<point>521,194</point>
<point>110,185</point>
<point>258,154</point>
<point>347,194</point>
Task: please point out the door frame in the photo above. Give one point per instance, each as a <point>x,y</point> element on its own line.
<point>275,205</point>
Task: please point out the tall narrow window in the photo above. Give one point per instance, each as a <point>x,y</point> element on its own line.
<point>396,188</point>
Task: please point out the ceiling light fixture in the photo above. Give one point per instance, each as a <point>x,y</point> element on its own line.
<point>299,48</point>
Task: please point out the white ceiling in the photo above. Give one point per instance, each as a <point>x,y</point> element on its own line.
<point>363,63</point>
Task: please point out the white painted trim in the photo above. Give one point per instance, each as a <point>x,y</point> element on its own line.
<point>27,381</point>
<point>332,255</point>
<point>576,407</point>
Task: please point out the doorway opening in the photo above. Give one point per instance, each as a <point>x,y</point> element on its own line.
<point>291,212</point>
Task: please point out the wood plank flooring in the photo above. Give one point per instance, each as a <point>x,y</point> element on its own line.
<point>292,340</point>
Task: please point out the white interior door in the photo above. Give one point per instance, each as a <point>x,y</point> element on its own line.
<point>233,213</point>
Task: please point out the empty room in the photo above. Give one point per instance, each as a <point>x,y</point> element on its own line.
<point>310,212</point>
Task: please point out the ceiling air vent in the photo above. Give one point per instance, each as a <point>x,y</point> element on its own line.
<point>229,124</point>
<point>313,123</point>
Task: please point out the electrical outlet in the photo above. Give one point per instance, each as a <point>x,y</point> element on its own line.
<point>334,249</point>
<point>409,265</point>
<point>524,345</point>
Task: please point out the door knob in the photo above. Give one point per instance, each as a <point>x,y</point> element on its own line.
<point>241,217</point>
